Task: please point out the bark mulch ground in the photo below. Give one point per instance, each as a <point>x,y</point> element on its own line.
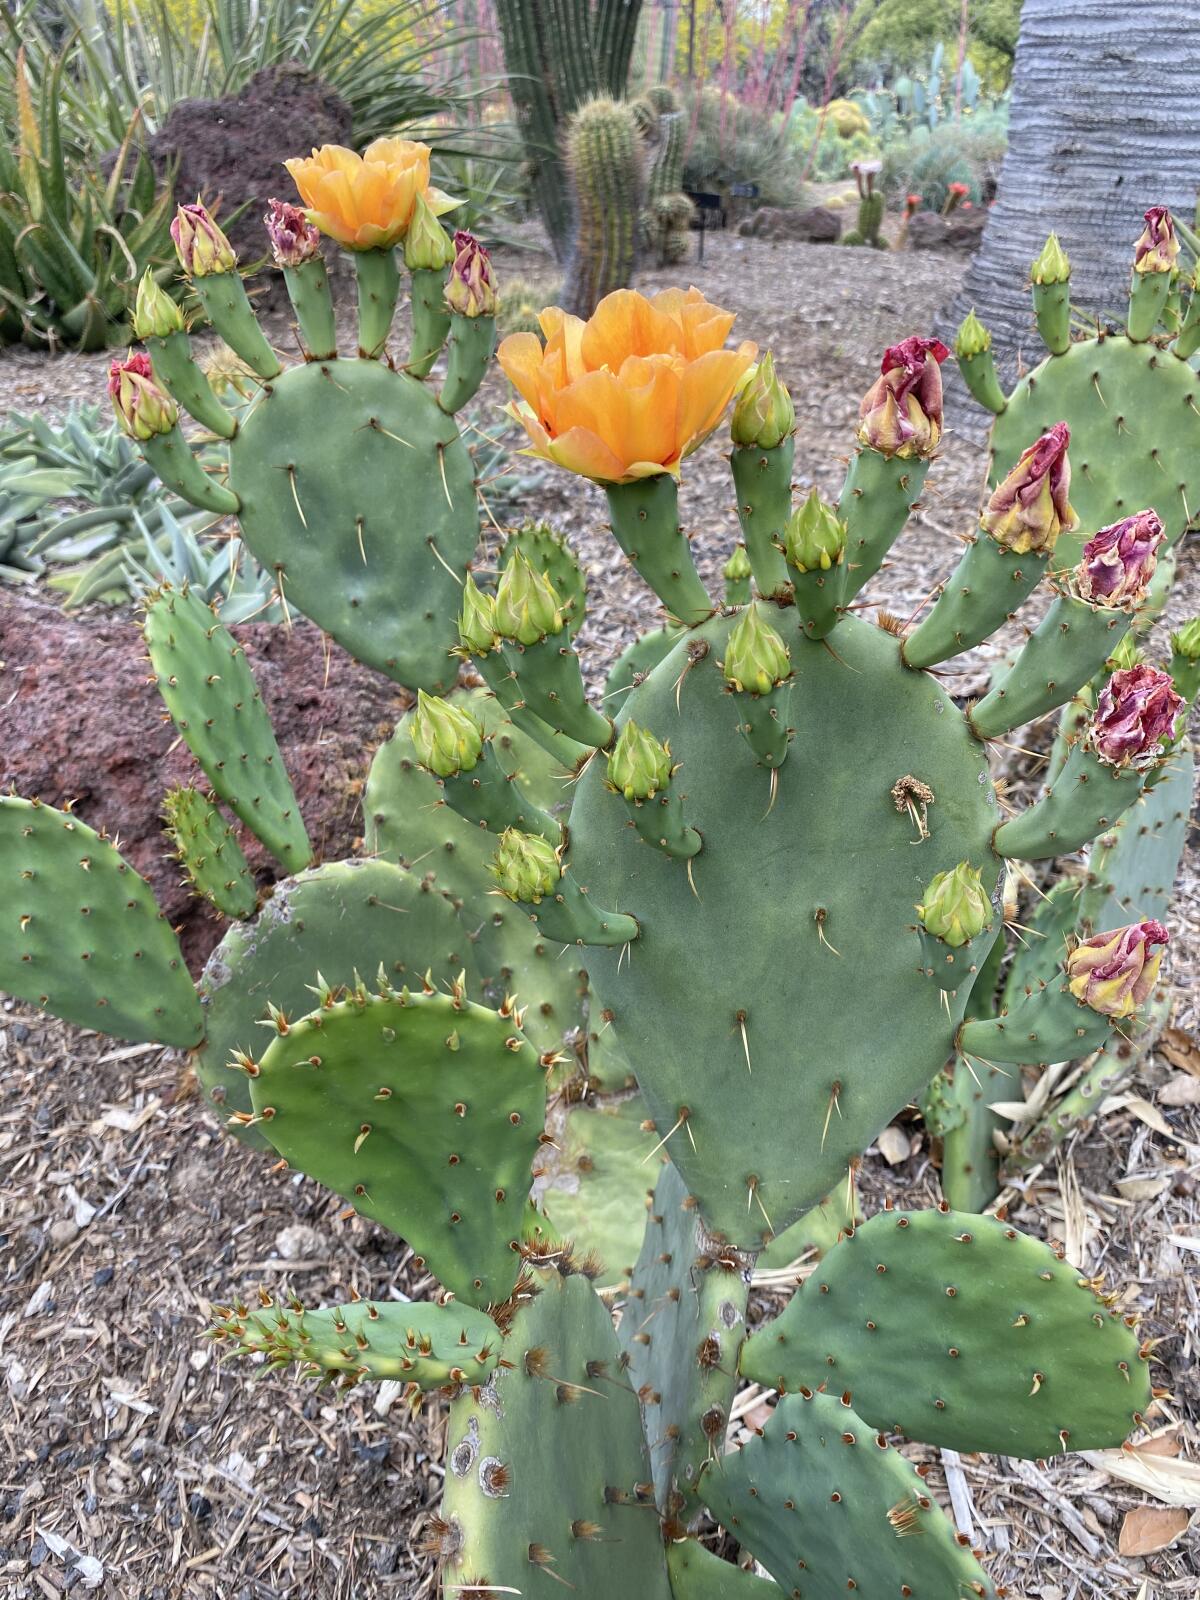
<point>133,1465</point>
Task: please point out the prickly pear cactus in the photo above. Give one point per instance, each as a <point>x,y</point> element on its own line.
<point>727,918</point>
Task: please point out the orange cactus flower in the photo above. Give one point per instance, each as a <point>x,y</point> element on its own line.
<point>631,391</point>
<point>366,202</point>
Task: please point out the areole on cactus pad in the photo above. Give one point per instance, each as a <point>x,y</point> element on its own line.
<point>704,936</point>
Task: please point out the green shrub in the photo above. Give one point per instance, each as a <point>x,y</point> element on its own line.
<point>744,145</point>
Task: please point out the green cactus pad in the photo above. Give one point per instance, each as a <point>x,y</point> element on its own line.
<point>698,1574</point>
<point>681,1332</point>
<point>604,1171</point>
<point>82,936</point>
<point>1134,414</point>
<point>426,1346</point>
<point>208,688</point>
<point>960,1331</point>
<point>820,886</point>
<point>352,484</point>
<point>827,1506</point>
<point>405,822</point>
<point>1132,867</point>
<point>339,919</point>
<point>422,1110</point>
<point>209,852</point>
<point>634,662</point>
<point>561,1403</point>
<point>818,1229</point>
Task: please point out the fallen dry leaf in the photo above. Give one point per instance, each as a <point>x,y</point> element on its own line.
<point>1147,1529</point>
<point>1181,1050</point>
<point>1144,1188</point>
<point>894,1145</point>
<point>1167,1443</point>
<point>1150,1115</point>
<point>1170,1479</point>
<point>1181,1090</point>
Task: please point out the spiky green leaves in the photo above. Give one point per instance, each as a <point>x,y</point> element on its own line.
<point>955,907</point>
<point>424,1111</point>
<point>209,690</point>
<point>960,1331</point>
<point>527,604</point>
<point>525,866</point>
<point>447,737</point>
<point>756,658</point>
<point>81,935</point>
<point>546,1471</point>
<point>827,1507</point>
<point>421,1345</point>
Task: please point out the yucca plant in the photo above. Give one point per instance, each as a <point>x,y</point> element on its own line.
<point>72,242</point>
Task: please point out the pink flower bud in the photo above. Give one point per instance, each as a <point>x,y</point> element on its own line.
<point>293,238</point>
<point>901,413</point>
<point>1030,508</point>
<point>471,290</point>
<point>1119,561</point>
<point>1114,972</point>
<point>1158,249</point>
<point>202,248</point>
<point>140,406</point>
<point>1134,716</point>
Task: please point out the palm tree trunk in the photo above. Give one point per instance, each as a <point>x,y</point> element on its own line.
<point>1105,121</point>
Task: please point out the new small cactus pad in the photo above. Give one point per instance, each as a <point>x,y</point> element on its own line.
<point>420,1345</point>
<point>960,1331</point>
<point>681,1331</point>
<point>322,925</point>
<point>601,1166</point>
<point>209,853</point>
<point>424,1111</point>
<point>208,688</point>
<point>560,1397</point>
<point>825,1503</point>
<point>82,935</point>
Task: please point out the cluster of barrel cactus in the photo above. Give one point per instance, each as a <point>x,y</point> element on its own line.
<point>713,929</point>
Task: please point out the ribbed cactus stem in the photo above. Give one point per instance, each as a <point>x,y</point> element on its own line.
<point>605,164</point>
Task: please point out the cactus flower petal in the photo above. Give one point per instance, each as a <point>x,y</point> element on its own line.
<point>1157,249</point>
<point>471,290</point>
<point>366,202</point>
<point>1030,508</point>
<point>901,413</point>
<point>293,238</point>
<point>202,248</point>
<point>632,391</point>
<point>1134,717</point>
<point>1119,561</point>
<point>1114,972</point>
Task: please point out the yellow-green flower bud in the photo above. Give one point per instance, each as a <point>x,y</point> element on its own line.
<point>756,658</point>
<point>155,314</point>
<point>527,606</point>
<point>1186,642</point>
<point>638,764</point>
<point>815,538</point>
<point>427,245</point>
<point>956,907</point>
<point>972,338</point>
<point>764,414</point>
<point>448,738</point>
<point>1053,265</point>
<point>737,569</point>
<point>202,248</point>
<point>524,866</point>
<point>477,620</point>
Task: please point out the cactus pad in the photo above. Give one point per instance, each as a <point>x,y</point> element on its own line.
<point>960,1331</point>
<point>82,936</point>
<point>330,922</point>
<point>681,1333</point>
<point>210,692</point>
<point>209,853</point>
<point>820,884</point>
<point>560,1398</point>
<point>1134,413</point>
<point>353,483</point>
<point>698,1574</point>
<point>827,1506</point>
<point>424,1111</point>
<point>593,1196</point>
<point>425,1346</point>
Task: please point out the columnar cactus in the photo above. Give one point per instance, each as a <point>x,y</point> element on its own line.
<point>737,907</point>
<point>605,162</point>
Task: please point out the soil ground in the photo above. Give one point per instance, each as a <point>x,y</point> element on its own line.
<point>125,1213</point>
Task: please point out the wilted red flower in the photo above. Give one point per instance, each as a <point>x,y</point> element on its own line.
<point>1114,972</point>
<point>1135,715</point>
<point>901,413</point>
<point>1030,508</point>
<point>1119,561</point>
